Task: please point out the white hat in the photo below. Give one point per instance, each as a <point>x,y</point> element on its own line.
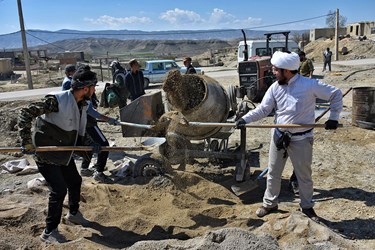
<point>284,60</point>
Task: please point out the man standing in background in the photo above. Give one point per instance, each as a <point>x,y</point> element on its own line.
<point>134,80</point>
<point>306,67</point>
<point>70,69</point>
<point>189,67</point>
<point>327,54</point>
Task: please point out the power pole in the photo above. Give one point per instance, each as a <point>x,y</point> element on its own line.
<point>24,45</point>
<point>337,35</point>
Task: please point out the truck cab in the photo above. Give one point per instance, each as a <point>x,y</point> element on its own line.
<point>257,48</point>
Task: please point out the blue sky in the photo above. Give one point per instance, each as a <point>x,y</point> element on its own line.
<point>154,15</point>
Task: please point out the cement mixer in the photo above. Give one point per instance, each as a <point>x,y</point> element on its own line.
<point>193,98</point>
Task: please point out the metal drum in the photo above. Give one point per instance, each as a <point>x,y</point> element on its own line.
<point>363,106</point>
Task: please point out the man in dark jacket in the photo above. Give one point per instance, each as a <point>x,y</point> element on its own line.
<point>189,68</point>
<point>60,120</point>
<point>134,80</point>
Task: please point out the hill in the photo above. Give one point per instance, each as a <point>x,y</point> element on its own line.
<point>43,37</point>
<point>101,46</point>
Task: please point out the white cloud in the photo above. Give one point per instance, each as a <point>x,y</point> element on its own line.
<point>219,16</point>
<point>115,22</point>
<point>181,17</point>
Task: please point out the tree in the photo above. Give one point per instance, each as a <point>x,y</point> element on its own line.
<point>304,38</point>
<point>331,20</point>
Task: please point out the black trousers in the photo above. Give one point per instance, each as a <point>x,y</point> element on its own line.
<point>60,180</point>
<point>98,136</point>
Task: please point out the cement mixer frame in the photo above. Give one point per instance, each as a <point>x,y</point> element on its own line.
<point>150,107</point>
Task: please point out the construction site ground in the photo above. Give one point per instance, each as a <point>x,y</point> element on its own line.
<point>195,208</point>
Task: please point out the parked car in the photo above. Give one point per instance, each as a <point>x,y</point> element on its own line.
<point>156,71</point>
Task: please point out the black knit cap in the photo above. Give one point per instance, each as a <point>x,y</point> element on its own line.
<point>70,68</point>
<point>83,77</point>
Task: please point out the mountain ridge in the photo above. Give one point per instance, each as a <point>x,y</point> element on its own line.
<point>36,37</point>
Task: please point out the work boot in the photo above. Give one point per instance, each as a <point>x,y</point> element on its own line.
<point>53,237</point>
<point>309,212</point>
<point>77,218</point>
<point>101,177</point>
<point>263,211</point>
<point>87,172</point>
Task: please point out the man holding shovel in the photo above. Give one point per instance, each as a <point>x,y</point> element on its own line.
<point>293,98</point>
<point>60,121</point>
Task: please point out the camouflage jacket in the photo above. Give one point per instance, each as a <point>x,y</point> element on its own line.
<point>306,67</point>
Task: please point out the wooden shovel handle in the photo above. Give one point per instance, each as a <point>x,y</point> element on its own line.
<point>73,148</point>
<point>213,124</point>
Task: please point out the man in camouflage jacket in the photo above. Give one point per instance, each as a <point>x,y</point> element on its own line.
<point>60,120</point>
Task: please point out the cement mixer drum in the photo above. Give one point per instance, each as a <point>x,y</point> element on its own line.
<point>200,99</point>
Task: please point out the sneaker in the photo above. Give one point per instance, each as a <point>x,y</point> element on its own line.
<point>101,177</point>
<point>293,186</point>
<point>52,237</point>
<point>309,212</point>
<point>87,172</point>
<point>76,218</point>
<point>263,211</point>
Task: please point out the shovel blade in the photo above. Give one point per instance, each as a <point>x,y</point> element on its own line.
<point>244,187</point>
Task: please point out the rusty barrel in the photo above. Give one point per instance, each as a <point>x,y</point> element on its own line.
<point>363,105</point>
<point>200,99</point>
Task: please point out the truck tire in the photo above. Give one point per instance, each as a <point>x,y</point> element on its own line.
<point>146,83</point>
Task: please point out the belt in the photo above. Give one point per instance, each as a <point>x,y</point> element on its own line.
<point>298,133</point>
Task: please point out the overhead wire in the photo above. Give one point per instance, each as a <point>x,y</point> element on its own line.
<point>161,33</point>
<point>165,33</point>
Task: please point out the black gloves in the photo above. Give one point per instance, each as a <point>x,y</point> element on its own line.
<point>331,124</point>
<point>28,149</point>
<point>113,121</point>
<point>240,123</point>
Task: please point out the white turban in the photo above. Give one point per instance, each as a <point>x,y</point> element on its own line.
<point>284,60</point>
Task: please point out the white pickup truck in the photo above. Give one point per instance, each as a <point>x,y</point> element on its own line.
<point>156,71</point>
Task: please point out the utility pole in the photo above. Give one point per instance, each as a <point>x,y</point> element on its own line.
<point>24,45</point>
<point>337,35</point>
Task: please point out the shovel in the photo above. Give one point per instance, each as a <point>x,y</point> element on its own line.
<point>239,189</point>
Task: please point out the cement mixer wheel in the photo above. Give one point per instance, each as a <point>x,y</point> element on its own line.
<point>214,145</point>
<point>147,166</point>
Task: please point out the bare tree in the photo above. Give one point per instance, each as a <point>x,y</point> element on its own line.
<point>301,38</point>
<point>331,20</point>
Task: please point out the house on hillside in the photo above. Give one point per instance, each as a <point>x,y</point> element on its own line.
<point>315,34</point>
<point>361,29</point>
<point>71,57</point>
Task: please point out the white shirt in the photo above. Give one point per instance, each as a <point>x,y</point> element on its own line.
<point>294,103</point>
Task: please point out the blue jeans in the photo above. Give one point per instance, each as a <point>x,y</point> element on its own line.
<point>60,180</point>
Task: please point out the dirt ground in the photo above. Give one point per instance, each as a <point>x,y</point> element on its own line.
<point>195,208</point>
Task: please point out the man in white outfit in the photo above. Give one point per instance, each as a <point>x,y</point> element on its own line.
<point>293,98</point>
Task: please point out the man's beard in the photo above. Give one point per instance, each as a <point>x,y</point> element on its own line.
<point>282,81</point>
<point>87,97</point>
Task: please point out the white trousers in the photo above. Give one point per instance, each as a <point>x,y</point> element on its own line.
<point>300,153</point>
